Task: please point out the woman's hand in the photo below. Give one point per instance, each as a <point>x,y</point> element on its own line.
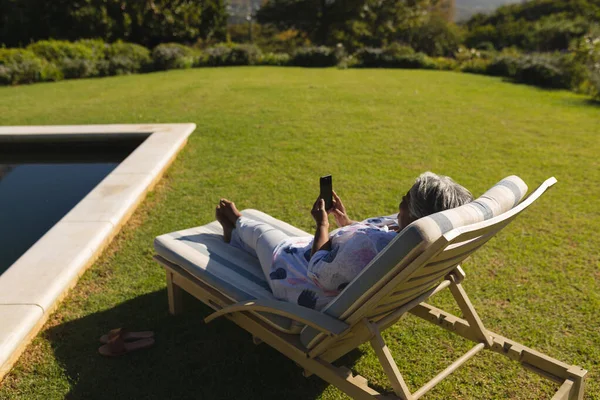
<point>319,213</point>
<point>339,212</point>
<point>321,241</point>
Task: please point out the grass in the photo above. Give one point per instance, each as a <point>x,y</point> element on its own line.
<point>264,137</point>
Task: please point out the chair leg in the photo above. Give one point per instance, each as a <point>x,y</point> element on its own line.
<point>175,295</point>
<point>389,365</point>
<point>468,310</point>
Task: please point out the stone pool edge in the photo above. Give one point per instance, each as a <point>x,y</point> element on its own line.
<point>28,294</point>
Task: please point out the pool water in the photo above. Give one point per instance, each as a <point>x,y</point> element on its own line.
<point>38,187</point>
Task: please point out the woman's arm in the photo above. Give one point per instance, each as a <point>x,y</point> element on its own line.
<point>321,241</point>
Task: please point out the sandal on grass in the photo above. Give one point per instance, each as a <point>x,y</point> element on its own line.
<point>118,347</point>
<point>125,335</point>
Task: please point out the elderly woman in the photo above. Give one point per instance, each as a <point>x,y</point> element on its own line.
<point>311,271</point>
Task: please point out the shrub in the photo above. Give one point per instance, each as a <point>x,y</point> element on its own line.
<point>542,70</point>
<point>172,56</point>
<point>369,57</point>
<point>436,37</point>
<point>445,64</point>
<point>74,60</point>
<point>397,50</point>
<point>127,58</point>
<point>504,65</point>
<point>463,54</point>
<point>97,46</point>
<point>278,59</point>
<point>73,68</point>
<point>244,54</point>
<point>214,56</point>
<point>485,46</point>
<point>232,54</point>
<point>393,57</point>
<point>23,66</point>
<point>414,61</point>
<point>475,66</point>
<point>314,57</point>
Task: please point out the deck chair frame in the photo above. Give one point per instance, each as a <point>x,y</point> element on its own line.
<point>342,336</point>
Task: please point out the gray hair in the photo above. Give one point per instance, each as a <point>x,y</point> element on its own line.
<point>433,193</point>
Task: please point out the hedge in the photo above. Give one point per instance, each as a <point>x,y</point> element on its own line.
<point>229,55</point>
<point>320,56</point>
<point>23,66</point>
<point>52,60</point>
<point>172,56</point>
<point>74,60</point>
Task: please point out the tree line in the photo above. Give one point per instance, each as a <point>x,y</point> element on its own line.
<point>146,22</point>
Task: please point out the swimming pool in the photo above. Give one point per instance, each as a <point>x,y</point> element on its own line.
<point>34,284</point>
<point>40,183</point>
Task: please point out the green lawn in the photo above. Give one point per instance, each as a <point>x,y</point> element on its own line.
<point>264,137</point>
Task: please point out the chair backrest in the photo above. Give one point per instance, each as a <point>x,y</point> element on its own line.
<point>425,252</point>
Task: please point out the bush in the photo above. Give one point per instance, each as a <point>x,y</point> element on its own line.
<point>74,60</point>
<point>475,66</point>
<point>23,66</point>
<point>97,46</point>
<point>369,58</point>
<point>445,64</point>
<point>398,50</point>
<point>314,57</point>
<point>127,58</point>
<point>436,37</point>
<point>230,54</point>
<point>278,59</point>
<point>504,65</point>
<point>415,61</point>
<point>393,57</point>
<point>544,70</point>
<point>172,56</point>
<point>244,54</point>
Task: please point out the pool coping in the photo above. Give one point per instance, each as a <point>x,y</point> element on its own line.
<point>29,294</point>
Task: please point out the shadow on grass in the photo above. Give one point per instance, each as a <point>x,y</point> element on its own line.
<point>190,359</point>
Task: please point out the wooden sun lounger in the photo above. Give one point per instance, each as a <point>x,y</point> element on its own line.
<point>422,261</point>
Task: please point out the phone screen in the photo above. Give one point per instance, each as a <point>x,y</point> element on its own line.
<point>326,191</point>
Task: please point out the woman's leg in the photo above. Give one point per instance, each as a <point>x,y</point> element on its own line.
<point>257,238</point>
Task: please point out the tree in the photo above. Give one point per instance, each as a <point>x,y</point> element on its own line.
<point>354,23</point>
<point>146,22</point>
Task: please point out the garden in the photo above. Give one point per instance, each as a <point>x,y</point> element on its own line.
<point>372,92</point>
<point>547,43</point>
<point>263,140</point>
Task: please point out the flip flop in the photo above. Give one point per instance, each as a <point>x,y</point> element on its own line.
<point>118,347</point>
<point>125,335</point>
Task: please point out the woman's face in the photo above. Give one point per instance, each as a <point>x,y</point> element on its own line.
<point>403,216</point>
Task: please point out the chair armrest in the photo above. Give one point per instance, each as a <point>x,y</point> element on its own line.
<point>315,319</point>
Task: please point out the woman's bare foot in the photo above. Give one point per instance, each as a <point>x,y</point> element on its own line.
<point>225,223</point>
<point>230,211</point>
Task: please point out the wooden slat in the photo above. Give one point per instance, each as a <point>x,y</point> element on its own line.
<point>429,278</point>
<point>429,270</point>
<point>382,308</point>
<point>409,292</point>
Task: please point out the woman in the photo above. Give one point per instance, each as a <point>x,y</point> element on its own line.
<point>311,271</point>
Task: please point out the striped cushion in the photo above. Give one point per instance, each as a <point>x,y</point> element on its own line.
<point>202,252</point>
<point>412,241</point>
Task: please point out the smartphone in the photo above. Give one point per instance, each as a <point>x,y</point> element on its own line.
<point>326,191</point>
